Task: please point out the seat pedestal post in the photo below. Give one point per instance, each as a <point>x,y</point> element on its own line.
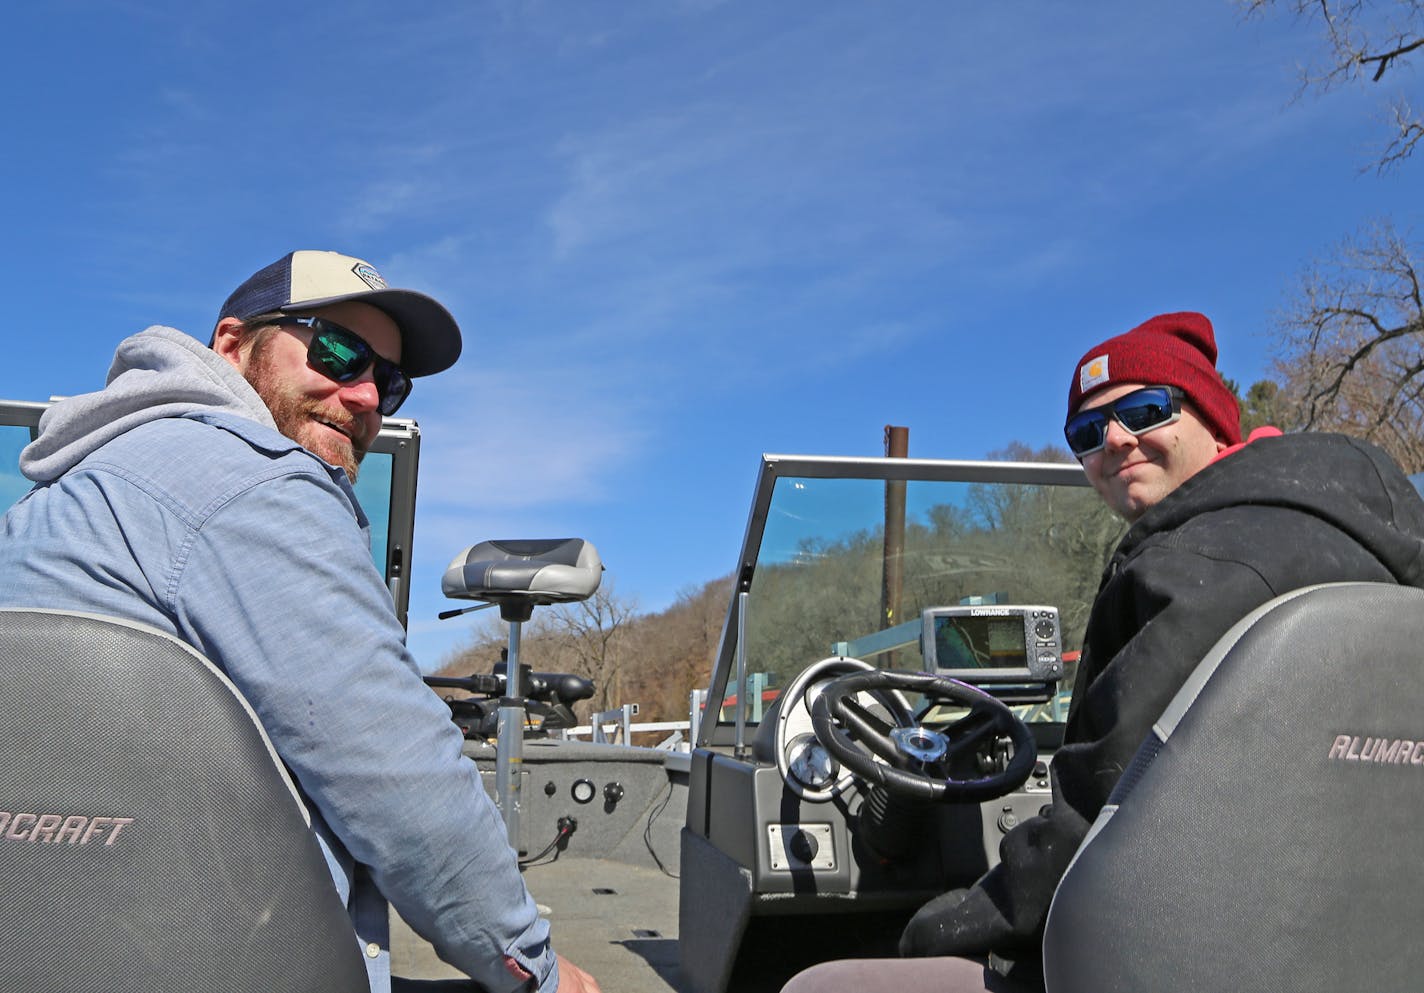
<point>509,741</point>
<point>520,575</point>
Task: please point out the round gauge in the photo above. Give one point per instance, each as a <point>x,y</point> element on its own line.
<point>813,766</point>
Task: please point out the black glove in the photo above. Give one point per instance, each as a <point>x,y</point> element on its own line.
<point>960,922</point>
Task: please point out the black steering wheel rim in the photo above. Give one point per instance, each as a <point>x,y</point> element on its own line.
<point>795,701</point>
<point>833,712</point>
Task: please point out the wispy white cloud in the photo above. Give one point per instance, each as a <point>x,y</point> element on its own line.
<point>667,226</point>
<point>526,437</point>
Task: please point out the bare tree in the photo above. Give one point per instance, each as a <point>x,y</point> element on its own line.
<point>479,653</point>
<point>654,660</point>
<point>1364,39</point>
<point>1351,349</point>
<point>671,653</point>
<point>595,629</point>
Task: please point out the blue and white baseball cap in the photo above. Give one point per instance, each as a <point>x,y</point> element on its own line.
<point>307,280</point>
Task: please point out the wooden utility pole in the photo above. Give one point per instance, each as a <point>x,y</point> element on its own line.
<point>897,446</point>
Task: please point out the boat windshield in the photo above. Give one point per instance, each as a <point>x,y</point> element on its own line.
<point>819,577</point>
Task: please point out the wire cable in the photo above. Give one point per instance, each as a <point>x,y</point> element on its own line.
<point>648,831</point>
<point>567,826</point>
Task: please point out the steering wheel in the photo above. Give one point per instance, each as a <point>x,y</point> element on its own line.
<point>805,765</point>
<point>920,761</point>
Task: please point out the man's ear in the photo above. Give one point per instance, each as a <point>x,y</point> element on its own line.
<point>227,342</point>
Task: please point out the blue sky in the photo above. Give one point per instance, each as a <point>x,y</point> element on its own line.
<point>678,234</point>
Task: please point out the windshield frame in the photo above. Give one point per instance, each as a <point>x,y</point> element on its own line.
<point>773,467</point>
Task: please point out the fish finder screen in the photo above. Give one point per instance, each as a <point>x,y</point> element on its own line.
<point>965,642</point>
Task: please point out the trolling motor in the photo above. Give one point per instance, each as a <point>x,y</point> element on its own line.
<point>517,576</point>
<point>548,699</point>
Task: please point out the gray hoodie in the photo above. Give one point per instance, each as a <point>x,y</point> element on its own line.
<point>159,372</point>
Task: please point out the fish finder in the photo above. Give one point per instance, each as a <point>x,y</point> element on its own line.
<point>993,644</point>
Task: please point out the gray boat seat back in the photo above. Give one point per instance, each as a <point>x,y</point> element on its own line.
<point>150,840</point>
<point>529,571</point>
<point>1267,834</point>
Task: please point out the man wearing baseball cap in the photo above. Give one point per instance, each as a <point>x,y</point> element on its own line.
<point>1217,529</point>
<point>206,491</point>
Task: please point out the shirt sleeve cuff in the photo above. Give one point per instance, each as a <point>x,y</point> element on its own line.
<point>540,974</point>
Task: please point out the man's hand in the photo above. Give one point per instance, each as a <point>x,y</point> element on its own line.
<point>932,927</point>
<point>572,979</point>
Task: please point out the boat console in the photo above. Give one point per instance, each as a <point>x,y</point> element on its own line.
<point>885,702</point>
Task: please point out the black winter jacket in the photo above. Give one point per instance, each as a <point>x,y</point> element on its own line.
<point>1279,514</point>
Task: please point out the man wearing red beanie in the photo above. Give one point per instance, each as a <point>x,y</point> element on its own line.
<point>1217,529</point>
<point>1147,410</point>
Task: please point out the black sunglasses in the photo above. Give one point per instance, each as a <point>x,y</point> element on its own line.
<point>342,355</point>
<point>1138,412</point>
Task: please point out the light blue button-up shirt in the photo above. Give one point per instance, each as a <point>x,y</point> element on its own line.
<point>217,528</point>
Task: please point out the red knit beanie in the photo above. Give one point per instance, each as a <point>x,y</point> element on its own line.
<point>1168,350</point>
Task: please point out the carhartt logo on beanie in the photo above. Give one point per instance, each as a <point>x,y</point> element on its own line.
<point>1168,350</point>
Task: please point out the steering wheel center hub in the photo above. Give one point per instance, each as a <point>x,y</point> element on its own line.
<point>921,743</point>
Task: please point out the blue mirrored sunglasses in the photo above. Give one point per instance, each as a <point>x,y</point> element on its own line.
<point>343,355</point>
<point>1138,412</point>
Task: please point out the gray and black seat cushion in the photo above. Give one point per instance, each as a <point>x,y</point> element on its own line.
<point>1267,835</point>
<point>150,840</point>
<point>521,574</point>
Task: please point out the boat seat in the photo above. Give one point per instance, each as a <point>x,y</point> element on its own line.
<point>1266,834</point>
<point>520,575</point>
<point>150,839</point>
